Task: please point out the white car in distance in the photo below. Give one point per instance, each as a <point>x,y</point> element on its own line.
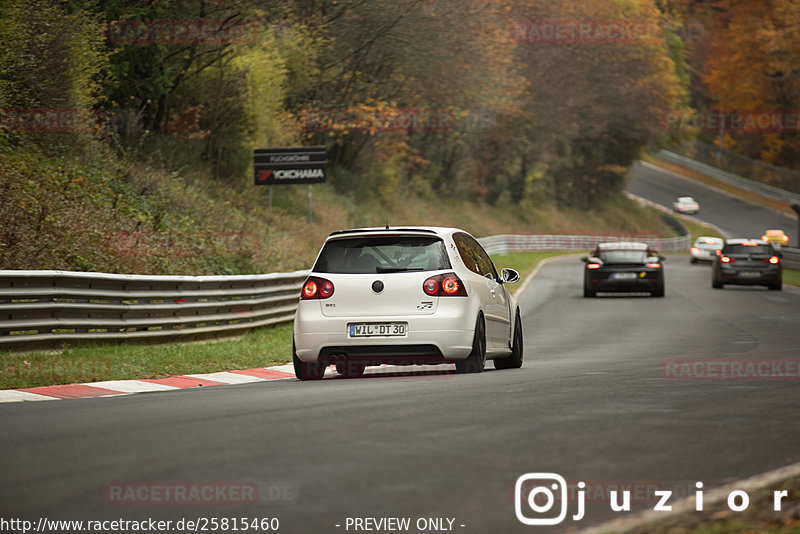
<point>405,296</point>
<point>686,205</point>
<point>705,249</point>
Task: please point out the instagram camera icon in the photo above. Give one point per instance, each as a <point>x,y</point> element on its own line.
<point>546,484</point>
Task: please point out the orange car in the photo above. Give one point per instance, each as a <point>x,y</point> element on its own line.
<point>776,236</point>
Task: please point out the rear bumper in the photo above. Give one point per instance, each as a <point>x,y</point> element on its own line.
<point>443,336</point>
<point>635,286</point>
<point>653,281</point>
<point>704,255</point>
<point>380,354</point>
<point>735,276</point>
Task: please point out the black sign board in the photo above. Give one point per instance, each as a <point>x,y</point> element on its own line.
<point>296,165</point>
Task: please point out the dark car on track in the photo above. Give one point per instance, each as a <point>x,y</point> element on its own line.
<point>747,262</point>
<point>623,267</point>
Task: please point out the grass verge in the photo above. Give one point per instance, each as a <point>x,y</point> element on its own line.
<point>696,230</point>
<point>524,262</point>
<point>91,363</point>
<point>791,276</point>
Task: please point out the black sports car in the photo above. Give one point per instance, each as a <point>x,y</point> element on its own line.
<point>747,262</point>
<point>623,267</point>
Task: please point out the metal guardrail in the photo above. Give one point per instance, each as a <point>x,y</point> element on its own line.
<point>502,244</point>
<point>48,308</point>
<point>791,257</point>
<point>753,186</point>
<point>741,165</point>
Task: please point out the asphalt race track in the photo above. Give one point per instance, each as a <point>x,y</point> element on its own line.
<point>737,217</point>
<point>592,403</point>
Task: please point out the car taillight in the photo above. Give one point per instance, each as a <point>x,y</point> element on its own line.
<point>592,265</point>
<point>316,288</point>
<point>774,260</point>
<point>654,265</point>
<point>718,252</point>
<point>764,238</point>
<point>444,285</point>
<point>694,250</point>
<point>727,259</point>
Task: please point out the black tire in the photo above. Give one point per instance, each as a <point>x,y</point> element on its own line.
<point>777,286</point>
<point>350,369</point>
<point>716,283</point>
<point>514,360</point>
<point>588,292</point>
<point>475,362</point>
<point>692,260</point>
<point>307,370</point>
<point>658,291</point>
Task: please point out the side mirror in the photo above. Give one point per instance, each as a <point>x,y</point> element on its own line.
<point>509,276</point>
<point>661,258</point>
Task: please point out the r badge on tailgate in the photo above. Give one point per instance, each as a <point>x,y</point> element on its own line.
<point>425,305</point>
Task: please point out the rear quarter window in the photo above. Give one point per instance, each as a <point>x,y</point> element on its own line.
<point>473,255</point>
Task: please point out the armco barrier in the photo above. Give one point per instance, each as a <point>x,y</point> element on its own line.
<point>791,257</point>
<point>730,178</point>
<point>48,308</point>
<point>502,244</point>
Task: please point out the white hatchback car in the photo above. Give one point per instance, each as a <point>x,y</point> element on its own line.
<point>705,249</point>
<point>686,205</point>
<point>405,296</point>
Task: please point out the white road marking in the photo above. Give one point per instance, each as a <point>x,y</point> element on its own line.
<point>12,395</point>
<point>130,386</point>
<point>228,378</point>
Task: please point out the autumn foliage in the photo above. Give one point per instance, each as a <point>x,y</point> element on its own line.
<point>743,59</point>
<point>523,105</point>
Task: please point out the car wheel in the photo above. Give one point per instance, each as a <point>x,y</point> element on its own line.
<point>514,361</point>
<point>307,370</point>
<point>659,291</point>
<point>716,283</point>
<point>350,369</point>
<point>692,260</point>
<point>476,360</point>
<point>777,286</point>
<point>588,292</point>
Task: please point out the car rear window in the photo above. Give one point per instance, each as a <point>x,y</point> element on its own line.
<point>748,249</point>
<point>622,256</point>
<point>385,254</point>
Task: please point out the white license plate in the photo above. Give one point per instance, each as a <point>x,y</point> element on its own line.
<point>377,329</point>
<point>749,274</point>
<point>624,276</point>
